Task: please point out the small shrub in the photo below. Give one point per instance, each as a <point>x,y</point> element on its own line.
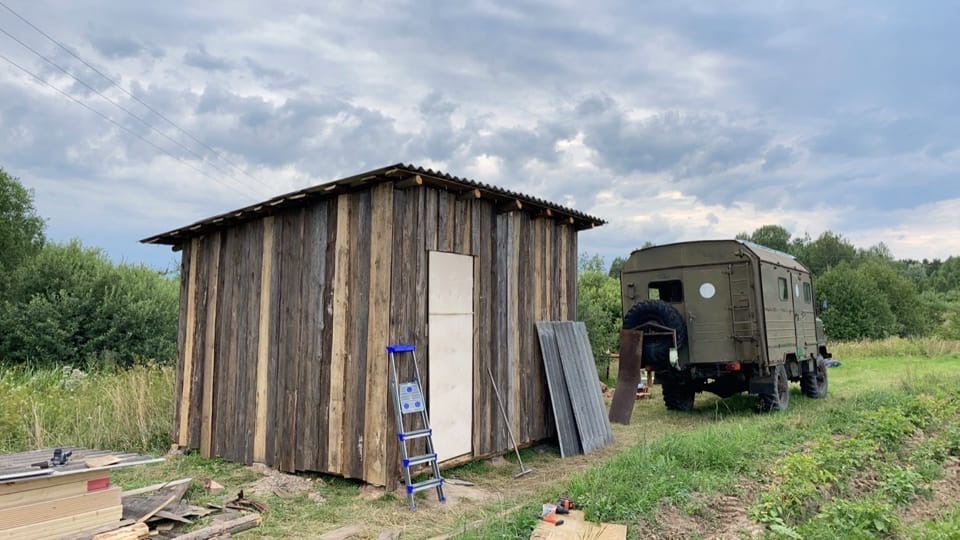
<point>856,518</point>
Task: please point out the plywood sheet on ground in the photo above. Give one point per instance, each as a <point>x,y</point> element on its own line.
<point>575,527</point>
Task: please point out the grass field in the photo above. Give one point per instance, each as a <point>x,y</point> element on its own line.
<point>877,458</point>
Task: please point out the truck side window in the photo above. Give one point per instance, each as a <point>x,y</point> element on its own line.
<point>668,291</point>
<point>807,294</point>
<point>784,290</point>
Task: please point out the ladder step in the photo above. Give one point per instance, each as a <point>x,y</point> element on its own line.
<point>427,484</point>
<point>417,460</point>
<point>417,434</point>
<point>401,347</point>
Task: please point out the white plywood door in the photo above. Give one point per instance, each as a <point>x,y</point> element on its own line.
<point>450,305</point>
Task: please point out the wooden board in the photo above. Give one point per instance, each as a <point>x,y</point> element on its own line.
<point>576,527</point>
<point>189,328</point>
<point>209,353</point>
<point>376,391</point>
<point>60,527</point>
<point>263,330</point>
<point>450,396</point>
<point>56,487</point>
<point>37,512</point>
<point>341,318</point>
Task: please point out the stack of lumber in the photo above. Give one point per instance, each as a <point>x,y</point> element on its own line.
<point>60,500</point>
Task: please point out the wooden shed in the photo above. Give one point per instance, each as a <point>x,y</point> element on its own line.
<point>287,306</point>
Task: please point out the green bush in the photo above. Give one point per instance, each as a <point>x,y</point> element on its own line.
<point>71,305</point>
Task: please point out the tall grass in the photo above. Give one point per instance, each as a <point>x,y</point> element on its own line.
<point>123,410</point>
<point>895,347</point>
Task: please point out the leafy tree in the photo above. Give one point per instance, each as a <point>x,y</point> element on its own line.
<point>616,267</point>
<point>947,276</point>
<point>827,251</point>
<point>598,306</point>
<point>21,229</point>
<point>771,236</point>
<point>856,306</point>
<point>70,305</point>
<point>901,295</point>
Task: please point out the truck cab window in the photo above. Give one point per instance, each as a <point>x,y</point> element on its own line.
<point>784,289</point>
<point>668,291</point>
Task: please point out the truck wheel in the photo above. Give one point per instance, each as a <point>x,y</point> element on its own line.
<point>656,349</point>
<point>814,383</point>
<point>678,394</point>
<point>780,399</point>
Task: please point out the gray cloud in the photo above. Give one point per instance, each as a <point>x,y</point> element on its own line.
<point>198,57</point>
<point>832,116</point>
<point>115,46</point>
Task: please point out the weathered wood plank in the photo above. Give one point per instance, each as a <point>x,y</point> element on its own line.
<point>210,340</point>
<point>355,377</point>
<point>341,318</point>
<point>263,343</point>
<point>311,290</point>
<point>325,346</point>
<point>249,306</point>
<point>274,386</point>
<point>188,301</point>
<point>224,407</point>
<point>401,300</point>
<point>376,389</point>
<point>288,367</point>
<point>430,218</point>
<point>502,371</point>
<point>563,264</point>
<point>512,301</point>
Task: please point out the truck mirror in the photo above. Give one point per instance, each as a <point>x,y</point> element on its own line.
<point>823,305</point>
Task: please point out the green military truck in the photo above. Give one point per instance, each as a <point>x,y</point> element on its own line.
<point>725,316</point>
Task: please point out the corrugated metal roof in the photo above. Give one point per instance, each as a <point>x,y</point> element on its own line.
<point>19,467</point>
<point>391,173</point>
<point>582,383</point>
<point>567,433</point>
<point>774,256</point>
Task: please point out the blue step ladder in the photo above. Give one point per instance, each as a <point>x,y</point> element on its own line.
<point>408,400</point>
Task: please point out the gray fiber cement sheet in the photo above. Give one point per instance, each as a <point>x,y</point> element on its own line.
<point>559,395</point>
<point>580,372</point>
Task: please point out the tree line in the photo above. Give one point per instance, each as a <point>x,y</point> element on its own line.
<point>68,304</point>
<point>861,293</point>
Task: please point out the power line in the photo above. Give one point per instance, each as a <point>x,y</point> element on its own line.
<point>114,122</point>
<point>135,98</point>
<point>124,109</point>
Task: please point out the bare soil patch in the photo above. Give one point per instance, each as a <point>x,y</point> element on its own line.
<point>946,493</point>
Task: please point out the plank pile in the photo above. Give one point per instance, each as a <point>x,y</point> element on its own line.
<point>59,500</point>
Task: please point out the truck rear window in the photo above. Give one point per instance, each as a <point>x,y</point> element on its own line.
<point>668,291</point>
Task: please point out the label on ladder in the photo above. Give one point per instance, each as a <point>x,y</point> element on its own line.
<point>411,398</point>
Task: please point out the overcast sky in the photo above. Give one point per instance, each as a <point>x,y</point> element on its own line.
<point>672,120</point>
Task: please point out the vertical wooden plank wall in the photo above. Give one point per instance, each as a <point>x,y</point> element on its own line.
<point>285,319</point>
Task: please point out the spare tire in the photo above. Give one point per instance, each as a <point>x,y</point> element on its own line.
<point>656,349</point>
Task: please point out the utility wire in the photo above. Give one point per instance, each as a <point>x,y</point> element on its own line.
<point>124,109</point>
<point>114,122</point>
<point>135,98</point>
